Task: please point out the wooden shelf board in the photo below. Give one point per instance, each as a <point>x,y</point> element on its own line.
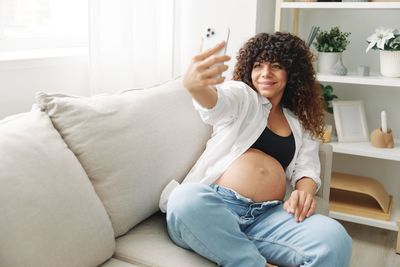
<point>358,204</point>
<point>388,225</point>
<point>369,188</point>
<point>340,5</point>
<point>367,150</point>
<point>362,200</point>
<point>353,78</point>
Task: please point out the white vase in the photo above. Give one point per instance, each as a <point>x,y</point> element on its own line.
<point>390,63</point>
<point>326,60</point>
<point>339,68</point>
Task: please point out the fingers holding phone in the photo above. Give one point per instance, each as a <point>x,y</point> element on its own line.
<point>207,67</point>
<point>211,61</point>
<point>216,50</point>
<point>214,44</point>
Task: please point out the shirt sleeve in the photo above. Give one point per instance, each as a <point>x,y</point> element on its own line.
<point>163,202</point>
<point>307,163</point>
<point>229,100</point>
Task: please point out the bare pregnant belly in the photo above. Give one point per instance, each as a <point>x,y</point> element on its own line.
<point>255,175</point>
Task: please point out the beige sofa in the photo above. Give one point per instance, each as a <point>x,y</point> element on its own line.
<point>80,178</point>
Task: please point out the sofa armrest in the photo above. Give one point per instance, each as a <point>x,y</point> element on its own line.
<point>325,156</point>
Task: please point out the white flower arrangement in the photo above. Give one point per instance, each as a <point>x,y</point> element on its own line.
<point>384,39</point>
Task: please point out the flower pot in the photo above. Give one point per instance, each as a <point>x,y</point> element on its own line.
<point>390,63</point>
<point>326,61</point>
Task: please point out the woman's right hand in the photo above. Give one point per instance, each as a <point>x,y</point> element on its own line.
<point>205,70</point>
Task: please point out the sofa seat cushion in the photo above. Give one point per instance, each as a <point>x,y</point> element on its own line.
<point>148,244</point>
<point>50,214</point>
<point>131,144</point>
<point>117,263</point>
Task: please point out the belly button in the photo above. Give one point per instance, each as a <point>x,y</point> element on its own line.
<point>263,171</point>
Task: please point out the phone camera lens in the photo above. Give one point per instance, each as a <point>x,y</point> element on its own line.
<point>212,33</point>
<point>208,35</point>
<point>209,29</point>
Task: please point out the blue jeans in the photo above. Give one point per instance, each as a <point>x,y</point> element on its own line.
<point>233,231</point>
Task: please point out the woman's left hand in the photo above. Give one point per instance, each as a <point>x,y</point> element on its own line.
<point>301,203</point>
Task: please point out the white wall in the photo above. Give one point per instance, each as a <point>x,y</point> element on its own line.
<point>20,79</point>
<point>265,16</point>
<point>243,17</point>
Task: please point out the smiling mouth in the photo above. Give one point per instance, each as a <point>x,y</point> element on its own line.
<point>267,83</point>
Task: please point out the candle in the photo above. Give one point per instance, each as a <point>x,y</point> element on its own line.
<point>383,121</point>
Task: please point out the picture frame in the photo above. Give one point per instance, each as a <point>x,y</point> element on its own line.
<point>350,121</point>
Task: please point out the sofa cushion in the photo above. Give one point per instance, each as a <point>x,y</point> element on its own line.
<point>117,263</point>
<point>50,213</point>
<point>148,244</point>
<point>130,144</point>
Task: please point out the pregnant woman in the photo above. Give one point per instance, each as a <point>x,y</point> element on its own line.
<point>231,208</point>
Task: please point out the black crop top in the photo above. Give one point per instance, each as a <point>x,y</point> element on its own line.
<point>281,148</point>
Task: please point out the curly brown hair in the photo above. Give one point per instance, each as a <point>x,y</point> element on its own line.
<point>302,94</point>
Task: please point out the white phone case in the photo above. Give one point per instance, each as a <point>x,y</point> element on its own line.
<point>213,36</point>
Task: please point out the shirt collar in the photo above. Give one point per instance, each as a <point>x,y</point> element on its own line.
<point>265,101</point>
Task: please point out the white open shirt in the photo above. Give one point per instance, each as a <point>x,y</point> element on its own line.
<point>238,119</point>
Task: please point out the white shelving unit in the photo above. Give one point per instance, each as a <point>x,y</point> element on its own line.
<point>352,78</point>
<point>364,149</point>
<point>339,5</point>
<point>295,6</point>
<point>391,225</point>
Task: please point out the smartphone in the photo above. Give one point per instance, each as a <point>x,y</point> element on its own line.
<point>213,36</point>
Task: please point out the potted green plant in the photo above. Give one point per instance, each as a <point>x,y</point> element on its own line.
<point>330,45</point>
<point>327,93</point>
<point>328,96</point>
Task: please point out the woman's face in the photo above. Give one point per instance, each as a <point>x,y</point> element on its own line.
<point>270,80</point>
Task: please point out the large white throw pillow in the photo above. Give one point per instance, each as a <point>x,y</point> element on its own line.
<point>50,214</point>
<point>131,144</point>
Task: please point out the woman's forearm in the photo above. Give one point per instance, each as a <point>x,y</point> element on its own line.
<point>307,185</point>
